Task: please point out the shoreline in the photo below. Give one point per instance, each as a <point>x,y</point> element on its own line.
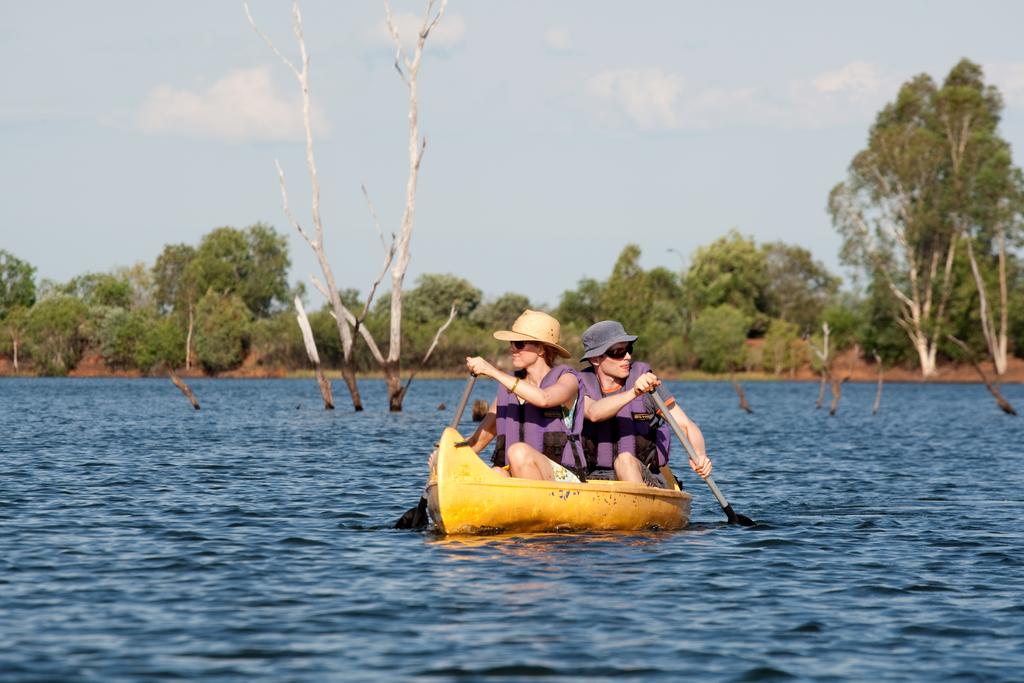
<point>678,376</point>
<point>847,365</point>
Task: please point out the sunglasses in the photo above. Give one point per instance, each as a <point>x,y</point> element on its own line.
<point>619,352</point>
<point>520,345</point>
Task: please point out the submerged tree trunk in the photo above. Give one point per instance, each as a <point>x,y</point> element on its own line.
<point>314,356</point>
<point>878,392</point>
<point>993,387</point>
<point>823,356</point>
<point>188,338</point>
<point>837,393</point>
<point>184,389</point>
<point>739,392</point>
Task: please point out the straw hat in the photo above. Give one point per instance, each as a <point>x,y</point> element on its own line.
<point>534,326</point>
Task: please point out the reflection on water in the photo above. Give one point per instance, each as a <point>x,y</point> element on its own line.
<point>141,540</point>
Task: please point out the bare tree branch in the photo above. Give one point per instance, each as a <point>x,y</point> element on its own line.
<point>389,253</point>
<point>426,356</point>
<point>288,211</point>
<point>270,43</point>
<point>993,387</point>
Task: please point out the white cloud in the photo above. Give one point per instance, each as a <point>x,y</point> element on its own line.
<point>1009,78</point>
<point>855,77</point>
<point>558,40</point>
<point>647,96</point>
<point>655,99</point>
<point>243,105</point>
<point>449,32</point>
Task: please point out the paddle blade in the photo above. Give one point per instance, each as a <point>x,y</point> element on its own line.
<point>735,518</point>
<point>414,518</point>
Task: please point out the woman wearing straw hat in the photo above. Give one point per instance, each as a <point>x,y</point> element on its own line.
<point>537,416</point>
<point>624,434</point>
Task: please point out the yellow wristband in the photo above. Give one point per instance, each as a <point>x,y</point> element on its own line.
<point>512,389</point>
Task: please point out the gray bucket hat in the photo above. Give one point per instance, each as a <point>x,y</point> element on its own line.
<point>599,337</point>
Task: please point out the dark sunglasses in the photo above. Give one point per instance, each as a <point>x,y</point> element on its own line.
<point>619,352</point>
<point>519,344</point>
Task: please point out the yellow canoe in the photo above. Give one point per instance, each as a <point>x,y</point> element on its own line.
<point>465,496</point>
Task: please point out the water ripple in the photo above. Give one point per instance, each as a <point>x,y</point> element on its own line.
<point>143,541</point>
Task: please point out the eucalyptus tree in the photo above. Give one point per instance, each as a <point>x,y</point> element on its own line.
<point>176,289</point>
<point>17,283</point>
<point>889,212</point>
<point>985,195</point>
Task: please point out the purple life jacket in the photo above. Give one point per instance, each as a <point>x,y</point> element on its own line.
<point>636,428</point>
<point>542,428</point>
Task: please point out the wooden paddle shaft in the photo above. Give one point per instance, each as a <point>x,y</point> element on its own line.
<point>463,401</point>
<point>681,435</point>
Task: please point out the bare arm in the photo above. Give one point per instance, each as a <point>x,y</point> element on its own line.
<point>702,465</point>
<point>598,410</point>
<point>560,393</point>
<point>486,430</point>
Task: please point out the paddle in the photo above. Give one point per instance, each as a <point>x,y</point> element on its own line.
<point>416,517</point>
<point>731,514</point>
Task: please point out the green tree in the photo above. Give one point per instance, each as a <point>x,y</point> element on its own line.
<point>581,307</point>
<point>175,279</point>
<point>17,283</point>
<point>719,336</point>
<point>252,263</point>
<point>222,331</point>
<point>432,297</point>
<point>798,287</point>
<point>277,340</point>
<point>53,335</point>
<point>100,289</point>
<point>160,346</point>
<point>500,313</point>
<point>781,347</point>
<point>12,333</point>
<point>731,270</point>
<point>176,291</point>
<point>121,334</point>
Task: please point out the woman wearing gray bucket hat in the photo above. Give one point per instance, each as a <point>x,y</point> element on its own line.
<point>537,416</point>
<point>624,436</point>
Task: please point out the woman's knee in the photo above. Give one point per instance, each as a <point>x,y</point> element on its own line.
<point>518,455</point>
<point>627,459</point>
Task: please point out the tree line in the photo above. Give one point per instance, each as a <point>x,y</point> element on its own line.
<point>213,305</point>
<point>930,215</point>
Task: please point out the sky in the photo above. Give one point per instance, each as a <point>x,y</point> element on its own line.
<point>558,132</point>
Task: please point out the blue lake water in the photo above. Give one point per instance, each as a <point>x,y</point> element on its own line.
<point>251,541</point>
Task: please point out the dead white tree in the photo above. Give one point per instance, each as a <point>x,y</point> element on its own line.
<point>392,366</point>
<point>314,356</point>
<point>397,254</point>
<point>878,391</point>
<point>823,355</point>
